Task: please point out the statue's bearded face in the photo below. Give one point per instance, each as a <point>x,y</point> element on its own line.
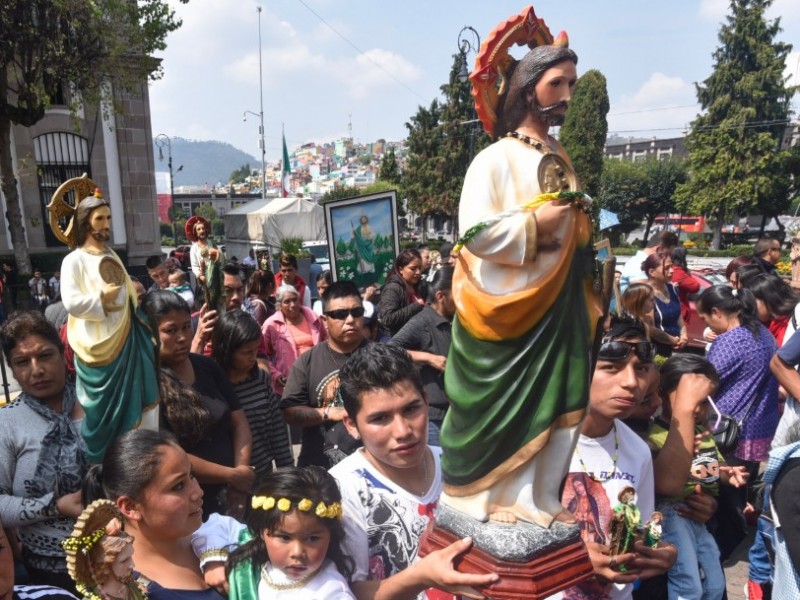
<point>200,231</point>
<point>549,99</point>
<point>100,224</point>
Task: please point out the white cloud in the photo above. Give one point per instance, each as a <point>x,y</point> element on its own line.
<point>713,10</point>
<point>376,69</point>
<point>662,106</point>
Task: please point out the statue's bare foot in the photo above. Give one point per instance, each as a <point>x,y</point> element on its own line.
<point>565,517</point>
<point>502,516</point>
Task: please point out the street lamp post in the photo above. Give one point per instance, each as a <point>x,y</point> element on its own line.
<point>162,140</point>
<point>261,115</point>
<point>263,148</point>
<point>468,42</point>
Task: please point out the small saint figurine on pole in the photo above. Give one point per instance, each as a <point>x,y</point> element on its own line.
<point>205,259</point>
<point>100,555</point>
<point>114,345</point>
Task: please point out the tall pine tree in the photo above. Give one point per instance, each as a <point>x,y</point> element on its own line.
<point>735,159</point>
<point>583,134</point>
<point>390,169</point>
<point>421,176</point>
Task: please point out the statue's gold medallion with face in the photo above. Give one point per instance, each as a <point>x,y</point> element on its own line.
<point>555,175</point>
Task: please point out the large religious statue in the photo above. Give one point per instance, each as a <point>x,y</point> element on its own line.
<point>205,259</point>
<point>526,293</point>
<point>113,343</point>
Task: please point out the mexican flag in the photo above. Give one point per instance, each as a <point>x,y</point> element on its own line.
<point>286,170</point>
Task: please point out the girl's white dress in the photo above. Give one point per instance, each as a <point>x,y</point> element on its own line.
<point>327,584</point>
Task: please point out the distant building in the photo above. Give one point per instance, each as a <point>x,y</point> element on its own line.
<point>116,153</point>
<point>642,150</point>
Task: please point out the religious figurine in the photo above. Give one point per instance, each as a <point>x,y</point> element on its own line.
<point>625,522</point>
<point>794,256</point>
<point>652,529</point>
<point>205,259</point>
<point>519,367</point>
<point>100,555</point>
<point>363,240</point>
<point>112,339</point>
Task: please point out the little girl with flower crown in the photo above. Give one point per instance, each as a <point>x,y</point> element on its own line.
<point>291,546</point>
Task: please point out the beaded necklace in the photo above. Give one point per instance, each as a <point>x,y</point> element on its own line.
<point>614,460</point>
<point>287,586</point>
<point>540,145</point>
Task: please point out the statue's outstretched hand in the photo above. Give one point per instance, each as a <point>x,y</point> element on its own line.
<point>108,295</point>
<point>549,218</point>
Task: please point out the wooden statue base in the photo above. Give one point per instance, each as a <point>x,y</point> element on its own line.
<point>538,578</point>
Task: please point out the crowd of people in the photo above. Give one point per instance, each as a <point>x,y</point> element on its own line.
<point>217,504</point>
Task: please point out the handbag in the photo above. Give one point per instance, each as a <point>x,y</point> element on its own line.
<point>726,434</point>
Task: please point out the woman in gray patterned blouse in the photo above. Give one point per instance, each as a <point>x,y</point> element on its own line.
<point>42,458</point>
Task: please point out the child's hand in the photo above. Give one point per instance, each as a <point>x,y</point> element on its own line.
<point>699,438</point>
<point>735,476</point>
<point>693,389</point>
<point>214,576</point>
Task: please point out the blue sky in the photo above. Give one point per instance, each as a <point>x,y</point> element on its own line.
<point>317,80</point>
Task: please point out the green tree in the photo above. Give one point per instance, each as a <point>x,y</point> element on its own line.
<point>463,138</point>
<point>640,191</point>
<point>339,193</point>
<point>421,177</point>
<point>241,174</point>
<point>735,156</point>
<point>389,169</point>
<point>585,128</point>
<point>206,210</point>
<point>47,46</point>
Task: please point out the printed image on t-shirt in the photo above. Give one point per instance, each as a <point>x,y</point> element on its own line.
<point>586,499</point>
<point>705,467</point>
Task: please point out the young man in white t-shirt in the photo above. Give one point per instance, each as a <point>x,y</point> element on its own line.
<point>391,485</point>
<point>608,458</point>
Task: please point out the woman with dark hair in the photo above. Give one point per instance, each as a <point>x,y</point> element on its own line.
<point>42,456</point>
<point>731,271</point>
<point>324,281</point>
<point>399,299</point>
<point>259,302</point>
<point>776,302</point>
<point>667,316</point>
<point>427,338</point>
<point>151,480</point>
<point>235,344</point>
<point>682,279</point>
<point>290,332</point>
<point>747,391</point>
<point>200,407</point>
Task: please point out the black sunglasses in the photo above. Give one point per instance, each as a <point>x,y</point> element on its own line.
<point>619,350</point>
<point>340,314</point>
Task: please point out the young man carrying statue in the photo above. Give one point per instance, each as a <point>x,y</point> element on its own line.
<point>114,349</point>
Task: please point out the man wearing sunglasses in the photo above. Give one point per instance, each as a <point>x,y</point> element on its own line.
<point>310,399</point>
<point>610,457</point>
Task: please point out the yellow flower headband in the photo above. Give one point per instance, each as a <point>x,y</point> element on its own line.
<point>322,510</point>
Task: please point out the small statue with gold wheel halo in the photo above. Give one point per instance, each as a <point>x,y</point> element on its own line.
<point>114,345</point>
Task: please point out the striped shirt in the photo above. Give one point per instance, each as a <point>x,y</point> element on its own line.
<point>269,430</point>
<point>40,592</point>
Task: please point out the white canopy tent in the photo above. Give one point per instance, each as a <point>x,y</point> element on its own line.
<point>266,222</point>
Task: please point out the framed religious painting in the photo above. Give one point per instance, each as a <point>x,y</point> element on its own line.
<point>603,249</point>
<point>363,237</point>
